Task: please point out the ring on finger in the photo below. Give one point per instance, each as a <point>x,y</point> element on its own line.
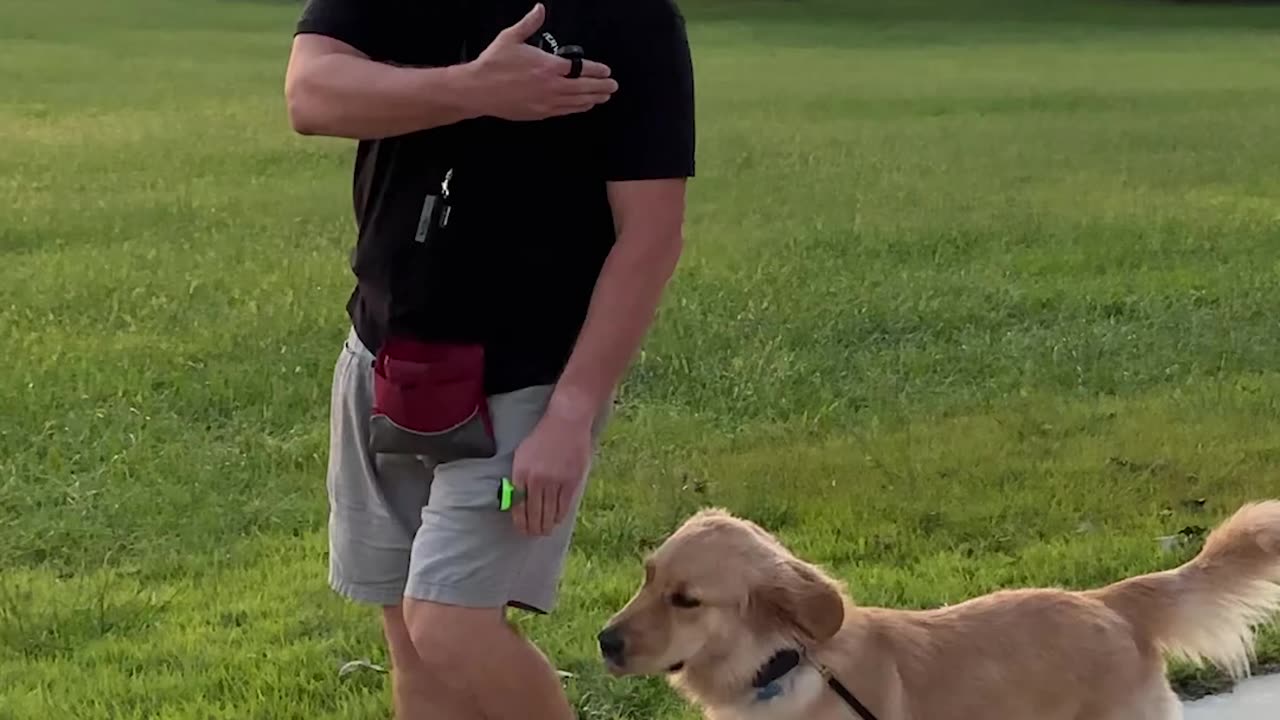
<point>574,54</point>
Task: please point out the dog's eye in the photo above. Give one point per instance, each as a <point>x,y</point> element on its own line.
<point>681,600</point>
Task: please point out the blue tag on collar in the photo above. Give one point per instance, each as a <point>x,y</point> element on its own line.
<point>769,692</point>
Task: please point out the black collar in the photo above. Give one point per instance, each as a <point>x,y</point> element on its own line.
<point>784,661</point>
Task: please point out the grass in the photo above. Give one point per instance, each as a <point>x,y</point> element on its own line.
<point>978,294</point>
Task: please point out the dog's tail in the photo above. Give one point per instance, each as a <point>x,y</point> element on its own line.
<point>1207,609</point>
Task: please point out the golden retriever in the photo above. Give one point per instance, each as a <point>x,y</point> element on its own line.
<point>722,598</point>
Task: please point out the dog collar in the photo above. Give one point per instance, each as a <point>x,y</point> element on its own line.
<point>766,682</point>
<point>768,685</point>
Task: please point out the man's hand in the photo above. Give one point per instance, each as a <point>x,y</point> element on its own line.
<point>516,81</point>
<point>335,89</point>
<point>549,466</point>
<point>552,462</point>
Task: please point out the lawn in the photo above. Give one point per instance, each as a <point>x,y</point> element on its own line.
<point>977,295</point>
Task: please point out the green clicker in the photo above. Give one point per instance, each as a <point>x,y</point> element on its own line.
<point>508,495</point>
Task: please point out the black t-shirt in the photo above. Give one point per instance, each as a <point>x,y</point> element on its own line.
<point>530,224</point>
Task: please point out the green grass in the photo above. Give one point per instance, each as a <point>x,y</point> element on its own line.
<point>978,295</point>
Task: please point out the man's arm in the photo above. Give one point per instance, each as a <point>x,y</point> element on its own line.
<point>333,88</point>
<point>647,157</point>
<point>649,215</point>
<point>551,462</point>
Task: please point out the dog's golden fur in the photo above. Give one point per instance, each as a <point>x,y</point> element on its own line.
<point>1036,654</point>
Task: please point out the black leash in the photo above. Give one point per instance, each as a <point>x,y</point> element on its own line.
<point>783,662</point>
<point>847,696</point>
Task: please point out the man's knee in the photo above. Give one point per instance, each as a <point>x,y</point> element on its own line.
<point>404,656</point>
<point>448,635</point>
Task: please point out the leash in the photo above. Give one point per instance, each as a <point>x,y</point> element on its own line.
<point>843,692</point>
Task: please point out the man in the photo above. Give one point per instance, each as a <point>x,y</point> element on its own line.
<point>569,186</point>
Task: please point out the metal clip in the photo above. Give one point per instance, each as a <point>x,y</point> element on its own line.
<point>444,197</point>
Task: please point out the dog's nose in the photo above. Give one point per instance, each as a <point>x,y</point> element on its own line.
<point>612,645</point>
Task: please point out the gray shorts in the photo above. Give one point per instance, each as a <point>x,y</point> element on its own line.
<point>405,526</point>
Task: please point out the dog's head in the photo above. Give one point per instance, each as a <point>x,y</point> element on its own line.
<point>718,588</point>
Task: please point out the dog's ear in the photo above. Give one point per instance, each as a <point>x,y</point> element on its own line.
<point>801,598</point>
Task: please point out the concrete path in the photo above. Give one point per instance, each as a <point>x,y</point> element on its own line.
<point>1254,699</point>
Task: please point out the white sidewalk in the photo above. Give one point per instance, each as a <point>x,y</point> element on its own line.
<point>1254,699</point>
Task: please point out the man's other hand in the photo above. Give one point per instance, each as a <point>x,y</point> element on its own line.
<point>513,80</point>
<point>550,466</point>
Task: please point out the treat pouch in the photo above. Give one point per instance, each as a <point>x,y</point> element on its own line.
<point>429,400</point>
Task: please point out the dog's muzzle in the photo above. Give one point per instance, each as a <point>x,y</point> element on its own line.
<point>612,645</point>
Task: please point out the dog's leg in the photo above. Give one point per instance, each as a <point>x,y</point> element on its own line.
<point>1167,706</point>
<point>1160,703</point>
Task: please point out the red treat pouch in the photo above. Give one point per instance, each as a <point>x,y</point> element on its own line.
<point>429,400</point>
